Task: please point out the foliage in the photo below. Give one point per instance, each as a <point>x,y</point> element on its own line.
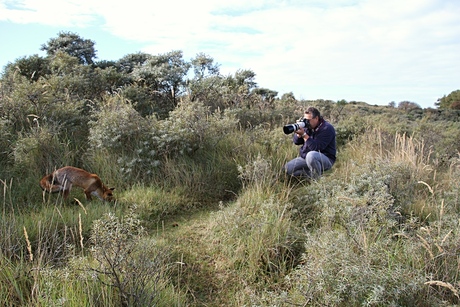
<point>31,67</point>
<point>119,133</point>
<point>125,261</point>
<point>408,105</point>
<point>204,214</point>
<point>144,143</point>
<point>164,74</point>
<point>72,44</point>
<point>356,221</point>
<point>5,139</point>
<point>451,101</point>
<point>127,63</point>
<point>203,66</point>
<point>28,151</point>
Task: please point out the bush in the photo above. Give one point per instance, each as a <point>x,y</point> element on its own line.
<point>141,145</point>
<point>41,151</point>
<point>120,135</point>
<point>336,272</point>
<point>128,261</point>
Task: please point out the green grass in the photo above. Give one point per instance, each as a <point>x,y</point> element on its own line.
<point>224,228</point>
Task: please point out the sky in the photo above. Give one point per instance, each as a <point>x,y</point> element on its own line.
<point>372,51</point>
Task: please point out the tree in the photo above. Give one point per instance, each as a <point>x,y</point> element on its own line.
<point>165,75</point>
<point>408,105</point>
<point>127,63</point>
<point>288,97</point>
<point>265,94</point>
<point>206,83</point>
<point>236,89</point>
<point>72,44</point>
<point>203,63</point>
<point>32,67</point>
<point>451,101</point>
<point>245,78</point>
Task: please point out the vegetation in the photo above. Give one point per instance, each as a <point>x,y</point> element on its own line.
<point>204,215</point>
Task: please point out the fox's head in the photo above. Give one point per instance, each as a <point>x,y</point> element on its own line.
<point>108,194</point>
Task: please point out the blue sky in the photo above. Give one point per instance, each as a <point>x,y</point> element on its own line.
<point>358,50</point>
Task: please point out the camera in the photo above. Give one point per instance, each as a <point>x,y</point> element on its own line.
<point>301,123</point>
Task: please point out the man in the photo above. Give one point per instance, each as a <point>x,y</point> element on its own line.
<point>317,147</point>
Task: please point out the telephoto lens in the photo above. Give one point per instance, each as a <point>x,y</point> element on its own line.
<point>288,129</point>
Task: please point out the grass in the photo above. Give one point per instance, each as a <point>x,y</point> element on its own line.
<point>226,229</point>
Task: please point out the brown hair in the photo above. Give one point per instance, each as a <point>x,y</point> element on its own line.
<point>313,111</point>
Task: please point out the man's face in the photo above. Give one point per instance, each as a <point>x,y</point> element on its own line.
<point>313,121</point>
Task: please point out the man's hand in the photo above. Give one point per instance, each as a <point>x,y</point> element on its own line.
<point>302,134</point>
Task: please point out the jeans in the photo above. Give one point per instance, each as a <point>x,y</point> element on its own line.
<point>314,164</point>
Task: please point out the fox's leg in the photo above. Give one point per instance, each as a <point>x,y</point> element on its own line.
<point>93,190</point>
<point>65,188</point>
<point>66,193</point>
<point>88,195</point>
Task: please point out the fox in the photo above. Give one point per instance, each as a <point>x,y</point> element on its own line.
<point>62,180</point>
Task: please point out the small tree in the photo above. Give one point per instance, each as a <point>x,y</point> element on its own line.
<point>408,106</point>
<point>72,44</point>
<point>451,101</point>
<point>203,63</point>
<point>164,74</point>
<point>288,97</point>
<point>32,67</point>
<point>130,61</point>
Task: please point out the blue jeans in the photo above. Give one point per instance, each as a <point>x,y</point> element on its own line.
<point>314,164</point>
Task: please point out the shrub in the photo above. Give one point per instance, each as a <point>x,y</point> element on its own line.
<point>42,151</point>
<point>5,141</point>
<point>337,273</point>
<point>119,134</point>
<point>127,261</point>
<point>141,145</point>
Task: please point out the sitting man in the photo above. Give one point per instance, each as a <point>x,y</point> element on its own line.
<point>317,147</point>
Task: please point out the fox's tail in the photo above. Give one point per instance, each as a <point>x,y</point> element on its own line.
<point>49,184</point>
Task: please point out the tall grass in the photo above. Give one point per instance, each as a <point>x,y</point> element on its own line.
<point>383,233</point>
<point>252,241</point>
<point>46,260</point>
<point>220,226</point>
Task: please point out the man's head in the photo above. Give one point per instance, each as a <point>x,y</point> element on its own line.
<point>313,115</point>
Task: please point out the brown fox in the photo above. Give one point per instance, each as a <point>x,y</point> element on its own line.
<point>62,180</point>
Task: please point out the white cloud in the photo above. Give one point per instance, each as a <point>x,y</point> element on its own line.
<point>291,44</point>
<point>48,12</point>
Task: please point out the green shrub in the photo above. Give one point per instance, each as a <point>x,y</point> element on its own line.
<point>41,151</point>
<point>140,145</point>
<point>128,261</point>
<point>336,272</point>
<point>5,142</point>
<point>120,135</point>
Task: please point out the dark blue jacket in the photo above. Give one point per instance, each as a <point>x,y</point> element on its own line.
<point>321,139</point>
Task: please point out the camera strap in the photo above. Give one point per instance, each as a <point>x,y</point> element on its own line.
<point>321,122</point>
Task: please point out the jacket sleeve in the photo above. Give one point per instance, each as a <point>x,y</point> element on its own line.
<point>297,140</point>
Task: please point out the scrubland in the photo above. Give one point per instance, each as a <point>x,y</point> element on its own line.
<point>204,215</point>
